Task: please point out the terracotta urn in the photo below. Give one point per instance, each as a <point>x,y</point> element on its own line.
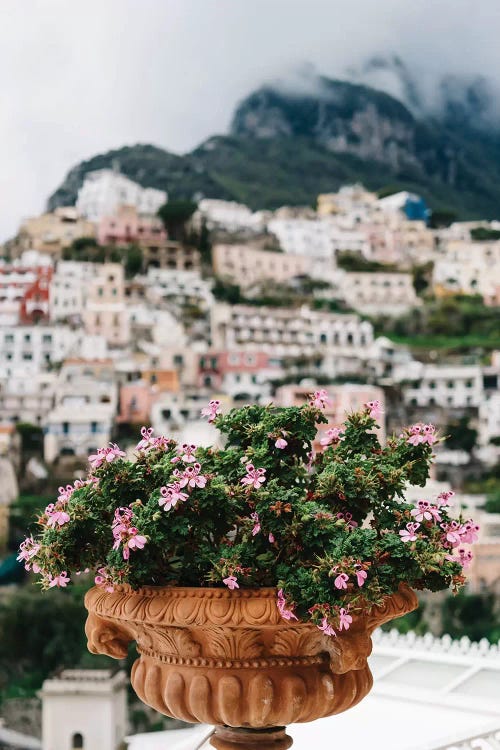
<point>227,658</point>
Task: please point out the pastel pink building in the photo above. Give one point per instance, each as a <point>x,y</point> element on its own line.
<point>240,374</point>
<point>128,227</point>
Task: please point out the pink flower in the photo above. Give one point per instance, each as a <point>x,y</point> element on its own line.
<point>285,612</point>
<point>374,409</point>
<point>463,556</point>
<point>453,533</point>
<point>421,433</point>
<point>345,619</point>
<point>186,454</point>
<point>135,541</point>
<point>341,581</point>
<point>443,498</point>
<point>271,537</point>
<point>65,493</point>
<point>319,399</point>
<point>61,581</point>
<point>171,495</point>
<point>105,455</point>
<point>361,576</point>
<point>325,627</point>
<point>231,582</point>
<point>280,443</point>
<point>255,477</point>
<point>332,436</point>
<point>55,516</point>
<point>191,476</point>
<point>426,511</point>
<point>408,534</point>
<point>415,436</point>
<point>469,532</point>
<point>104,580</point>
<point>28,549</point>
<point>255,519</point>
<point>147,436</point>
<point>211,411</point>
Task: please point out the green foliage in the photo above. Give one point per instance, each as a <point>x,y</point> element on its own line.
<point>350,261</point>
<point>492,504</point>
<point>175,214</point>
<point>472,615</point>
<point>484,233</point>
<point>39,634</point>
<point>422,276</point>
<point>457,322</point>
<point>460,436</point>
<point>306,520</point>
<point>31,437</point>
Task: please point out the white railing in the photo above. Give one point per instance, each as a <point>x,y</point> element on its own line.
<point>486,741</point>
<point>482,649</point>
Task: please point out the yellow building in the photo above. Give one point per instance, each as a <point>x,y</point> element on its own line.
<point>52,232</point>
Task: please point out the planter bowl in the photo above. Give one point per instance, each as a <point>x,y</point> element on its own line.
<point>227,657</point>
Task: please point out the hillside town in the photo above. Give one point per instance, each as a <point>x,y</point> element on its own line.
<point>129,310</point>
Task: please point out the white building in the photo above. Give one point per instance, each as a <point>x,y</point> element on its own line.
<point>68,288</point>
<point>378,293</point>
<point>229,215</point>
<point>446,386</point>
<point>105,312</point>
<point>104,190</point>
<point>29,399</point>
<point>25,350</point>
<point>334,343</point>
<point>470,268</point>
<point>178,287</point>
<point>84,708</point>
<point>86,406</point>
<point>489,428</point>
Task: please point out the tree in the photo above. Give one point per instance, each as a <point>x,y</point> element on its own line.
<point>175,215</point>
<point>492,504</point>
<point>133,261</point>
<point>460,436</point>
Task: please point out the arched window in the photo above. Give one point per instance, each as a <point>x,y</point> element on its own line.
<point>77,741</point>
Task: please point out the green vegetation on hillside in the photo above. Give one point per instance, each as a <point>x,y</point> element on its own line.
<point>454,323</point>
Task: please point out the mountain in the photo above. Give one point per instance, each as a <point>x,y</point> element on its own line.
<point>290,141</point>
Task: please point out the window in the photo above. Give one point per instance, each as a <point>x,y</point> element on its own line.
<point>100,291</point>
<point>323,338</point>
<point>9,338</point>
<point>27,336</point>
<point>450,384</point>
<point>432,384</point>
<point>65,427</point>
<point>93,427</point>
<point>468,383</point>
<point>77,741</point>
<point>47,338</point>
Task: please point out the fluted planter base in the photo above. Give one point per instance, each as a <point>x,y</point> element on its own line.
<point>227,658</point>
<point>238,738</point>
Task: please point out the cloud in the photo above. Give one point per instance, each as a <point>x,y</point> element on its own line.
<point>79,78</point>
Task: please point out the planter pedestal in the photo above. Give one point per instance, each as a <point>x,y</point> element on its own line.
<point>227,658</point>
<point>237,738</point>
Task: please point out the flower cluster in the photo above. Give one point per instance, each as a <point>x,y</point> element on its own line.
<point>331,530</point>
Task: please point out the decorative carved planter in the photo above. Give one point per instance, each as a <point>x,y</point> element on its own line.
<point>228,658</point>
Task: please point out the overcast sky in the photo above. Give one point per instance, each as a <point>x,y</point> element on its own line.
<point>78,77</point>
